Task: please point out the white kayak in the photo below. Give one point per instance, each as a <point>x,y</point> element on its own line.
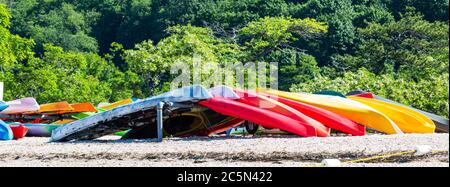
<point>18,106</point>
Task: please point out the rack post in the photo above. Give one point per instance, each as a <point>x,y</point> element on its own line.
<point>159,120</point>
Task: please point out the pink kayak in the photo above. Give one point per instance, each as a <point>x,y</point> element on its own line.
<point>18,106</point>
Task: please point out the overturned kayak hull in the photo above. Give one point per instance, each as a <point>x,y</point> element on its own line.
<point>198,121</point>
<point>326,117</point>
<point>78,108</point>
<point>53,108</point>
<point>6,132</point>
<point>82,115</point>
<point>265,118</point>
<point>116,104</point>
<point>3,106</point>
<point>442,124</point>
<point>21,106</point>
<point>40,129</point>
<point>350,109</point>
<point>409,121</point>
<point>19,131</point>
<point>267,103</point>
<point>133,115</point>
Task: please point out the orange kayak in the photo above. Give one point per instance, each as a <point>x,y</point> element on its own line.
<point>80,107</point>
<point>58,107</point>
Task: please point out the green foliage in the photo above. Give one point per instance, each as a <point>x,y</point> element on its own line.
<point>48,47</point>
<point>434,10</point>
<point>153,62</point>
<point>294,67</point>
<point>71,76</point>
<point>5,17</point>
<point>412,46</point>
<point>55,22</point>
<point>225,14</point>
<point>371,13</point>
<point>13,48</point>
<point>267,34</point>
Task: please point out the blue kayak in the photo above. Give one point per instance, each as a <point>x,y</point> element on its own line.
<point>5,131</point>
<point>3,106</point>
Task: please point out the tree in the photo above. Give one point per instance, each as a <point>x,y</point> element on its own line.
<point>153,62</point>
<point>71,76</point>
<point>14,50</point>
<point>339,16</point>
<point>412,46</point>
<point>433,10</point>
<point>271,33</point>
<point>427,94</point>
<point>294,67</point>
<point>55,22</point>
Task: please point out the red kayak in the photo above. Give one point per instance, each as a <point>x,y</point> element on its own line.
<point>19,131</point>
<point>264,102</point>
<point>265,118</point>
<point>330,119</point>
<point>365,95</point>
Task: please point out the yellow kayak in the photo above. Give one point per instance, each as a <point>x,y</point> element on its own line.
<point>116,104</point>
<point>63,121</point>
<point>409,121</point>
<point>358,112</point>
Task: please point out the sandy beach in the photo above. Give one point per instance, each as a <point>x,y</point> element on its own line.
<point>276,151</point>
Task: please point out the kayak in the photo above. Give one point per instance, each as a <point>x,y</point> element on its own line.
<point>84,107</point>
<point>3,106</point>
<point>63,121</point>
<point>40,129</point>
<point>326,117</point>
<point>131,116</point>
<point>205,123</point>
<point>362,94</point>
<point>330,92</point>
<point>53,108</point>
<point>116,104</point>
<point>82,115</point>
<point>409,121</point>
<point>6,132</point>
<point>441,123</point>
<point>265,118</point>
<point>18,106</point>
<point>19,131</point>
<point>266,103</point>
<point>350,109</point>
<point>195,122</point>
<point>79,107</point>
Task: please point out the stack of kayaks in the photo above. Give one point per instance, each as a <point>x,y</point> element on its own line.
<point>25,117</point>
<point>350,109</point>
<point>196,111</point>
<point>441,123</point>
